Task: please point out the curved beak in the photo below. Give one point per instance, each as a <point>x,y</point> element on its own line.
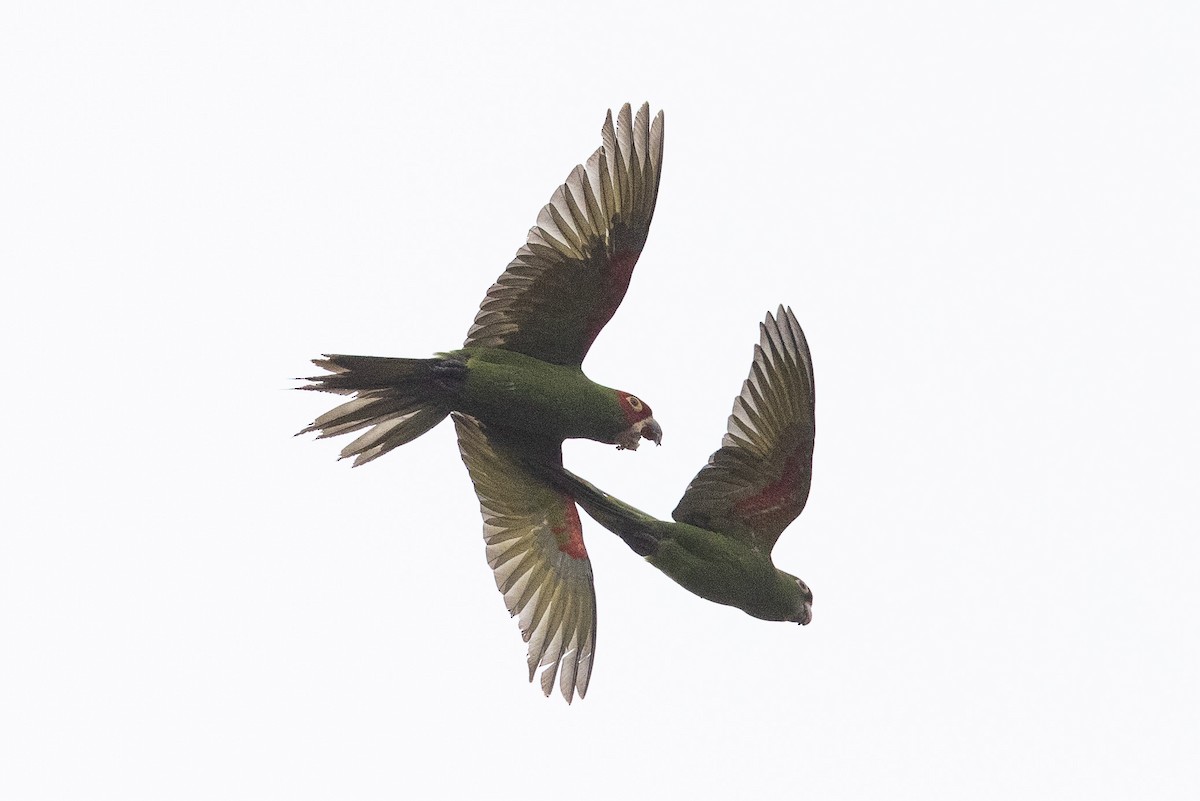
<point>652,431</point>
<point>629,439</point>
<point>805,616</point>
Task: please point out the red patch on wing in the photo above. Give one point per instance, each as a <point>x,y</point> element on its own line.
<point>620,269</point>
<point>779,498</point>
<point>570,534</point>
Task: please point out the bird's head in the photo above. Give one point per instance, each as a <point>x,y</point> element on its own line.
<point>803,602</point>
<point>640,423</point>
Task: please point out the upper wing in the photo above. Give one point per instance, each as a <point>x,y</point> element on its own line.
<point>568,279</point>
<point>757,483</point>
<point>535,547</point>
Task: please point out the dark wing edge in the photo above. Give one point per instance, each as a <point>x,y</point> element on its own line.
<point>757,483</point>
<point>567,281</point>
<point>535,548</point>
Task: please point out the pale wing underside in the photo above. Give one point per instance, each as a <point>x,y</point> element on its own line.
<point>758,482</point>
<point>535,548</point>
<point>569,278</point>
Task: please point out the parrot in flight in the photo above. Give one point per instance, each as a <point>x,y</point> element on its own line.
<point>516,390</point>
<point>752,488</point>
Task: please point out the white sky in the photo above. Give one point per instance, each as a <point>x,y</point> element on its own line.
<point>985,216</point>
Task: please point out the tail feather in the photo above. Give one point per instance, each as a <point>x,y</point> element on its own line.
<point>397,400</point>
<point>358,373</point>
<point>392,434</point>
<point>367,409</point>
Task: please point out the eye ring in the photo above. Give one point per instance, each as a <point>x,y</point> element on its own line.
<point>633,402</point>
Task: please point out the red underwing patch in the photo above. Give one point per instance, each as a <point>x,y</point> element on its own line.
<point>620,269</point>
<point>569,535</point>
<point>779,498</point>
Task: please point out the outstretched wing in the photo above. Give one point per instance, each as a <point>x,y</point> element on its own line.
<point>757,483</point>
<point>570,276</point>
<point>535,548</point>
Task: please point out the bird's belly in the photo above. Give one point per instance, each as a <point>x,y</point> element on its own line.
<point>548,400</point>
<point>722,570</point>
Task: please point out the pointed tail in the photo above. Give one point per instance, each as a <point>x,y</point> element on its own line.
<point>397,400</point>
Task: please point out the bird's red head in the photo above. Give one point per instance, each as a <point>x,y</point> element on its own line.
<point>641,422</point>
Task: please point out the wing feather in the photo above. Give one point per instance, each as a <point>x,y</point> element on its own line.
<point>757,483</point>
<point>569,277</point>
<point>535,549</point>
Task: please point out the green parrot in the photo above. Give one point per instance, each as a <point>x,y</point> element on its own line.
<point>518,377</point>
<point>752,488</point>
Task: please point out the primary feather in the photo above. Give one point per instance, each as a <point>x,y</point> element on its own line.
<point>568,279</point>
<point>757,483</point>
<point>535,549</point>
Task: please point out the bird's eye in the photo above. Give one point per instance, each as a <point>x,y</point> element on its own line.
<point>634,403</point>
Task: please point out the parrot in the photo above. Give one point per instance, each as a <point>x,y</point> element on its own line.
<point>734,510</point>
<point>518,377</point>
